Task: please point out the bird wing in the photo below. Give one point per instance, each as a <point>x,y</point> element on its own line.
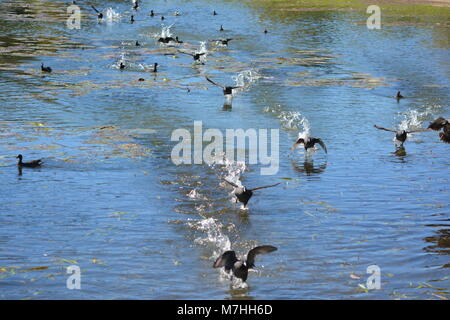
<point>231,183</point>
<point>214,83</point>
<point>95,9</point>
<point>226,259</point>
<point>437,124</point>
<point>297,143</point>
<point>263,187</point>
<point>385,129</point>
<point>258,250</point>
<point>418,130</point>
<point>191,54</point>
<point>319,141</point>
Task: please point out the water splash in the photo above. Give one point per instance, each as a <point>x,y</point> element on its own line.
<point>246,77</point>
<point>214,235</point>
<point>112,15</point>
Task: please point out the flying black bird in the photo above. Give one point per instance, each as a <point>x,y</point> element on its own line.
<point>243,194</point>
<point>45,69</point>
<point>30,164</point>
<point>166,39</point>
<point>400,135</point>
<point>194,55</point>
<point>226,89</point>
<point>223,41</point>
<point>441,123</point>
<point>240,267</point>
<point>309,142</point>
<point>99,14</point>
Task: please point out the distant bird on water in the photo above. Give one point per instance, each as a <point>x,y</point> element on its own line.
<point>121,66</point>
<point>399,95</point>
<point>99,14</point>
<point>309,142</point>
<point>240,268</point>
<point>29,164</point>
<point>243,194</point>
<point>401,135</point>
<point>223,41</point>
<point>45,69</point>
<point>194,55</point>
<point>227,90</point>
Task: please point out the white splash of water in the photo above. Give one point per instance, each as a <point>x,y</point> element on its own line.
<point>214,235</point>
<point>112,15</point>
<point>246,77</point>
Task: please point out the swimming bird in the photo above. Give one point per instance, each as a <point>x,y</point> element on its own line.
<point>136,4</point>
<point>137,44</point>
<point>399,95</point>
<point>243,194</point>
<point>221,28</point>
<point>152,14</point>
<point>122,66</point>
<point>441,123</point>
<point>162,17</point>
<point>132,19</point>
<point>177,40</point>
<point>30,164</point>
<point>226,89</point>
<point>400,135</point>
<point>45,69</point>
<point>239,268</point>
<point>265,31</point>
<point>214,13</point>
<point>309,142</point>
<point>194,55</point>
<point>99,14</point>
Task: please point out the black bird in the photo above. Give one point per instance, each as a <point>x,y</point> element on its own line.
<point>45,69</point>
<point>223,41</point>
<point>162,17</point>
<point>99,14</point>
<point>122,66</point>
<point>194,55</point>
<point>441,123</point>
<point>177,40</point>
<point>137,43</point>
<point>132,19</point>
<point>136,5</point>
<point>309,142</point>
<point>221,28</point>
<point>240,267</point>
<point>400,135</point>
<point>226,89</point>
<point>30,164</point>
<point>155,66</point>
<point>243,194</point>
<point>152,14</point>
<point>214,13</point>
<point>399,95</point>
<point>265,31</point>
<point>166,39</point>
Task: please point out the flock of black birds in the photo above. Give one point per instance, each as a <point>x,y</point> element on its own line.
<point>228,259</point>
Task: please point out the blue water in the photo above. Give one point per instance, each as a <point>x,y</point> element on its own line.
<point>110,200</point>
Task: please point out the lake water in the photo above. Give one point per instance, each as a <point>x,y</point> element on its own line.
<point>109,199</point>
